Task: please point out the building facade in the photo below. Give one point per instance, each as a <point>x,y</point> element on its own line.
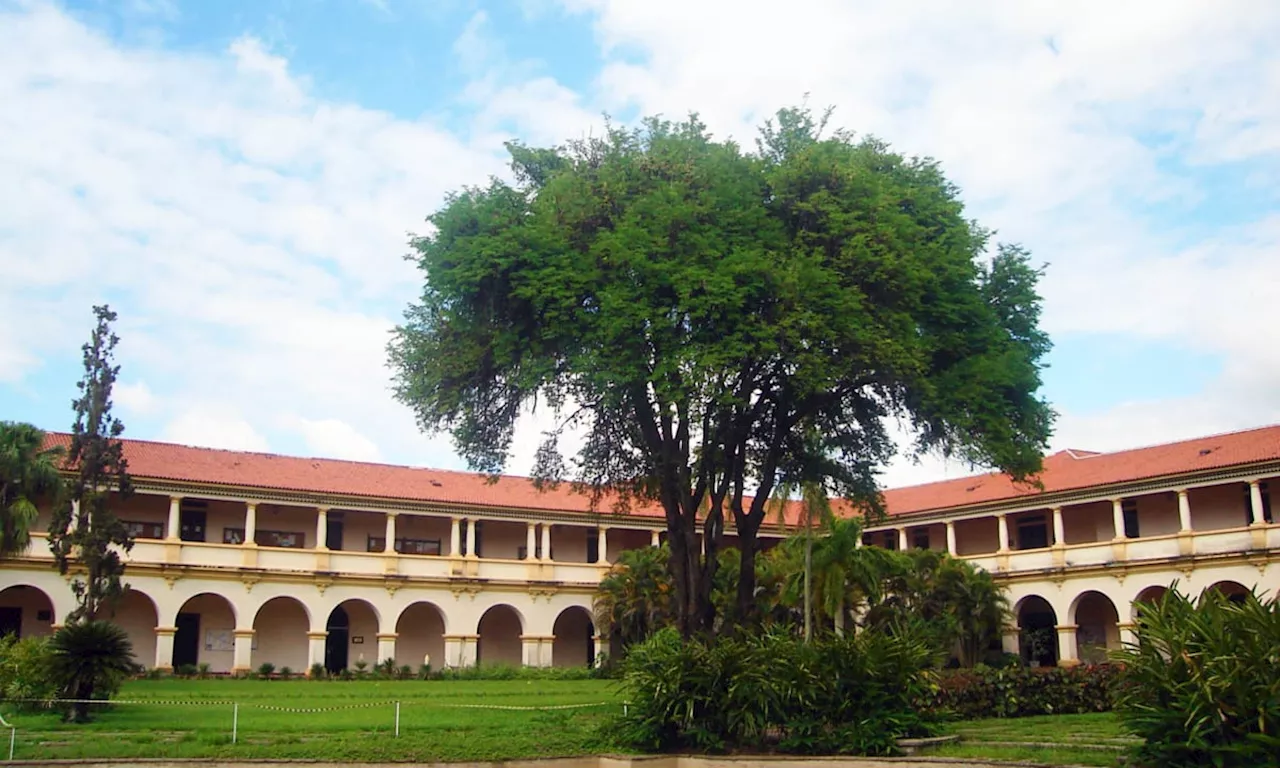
<point>243,558</point>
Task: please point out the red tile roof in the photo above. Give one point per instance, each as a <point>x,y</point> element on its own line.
<point>1063,471</point>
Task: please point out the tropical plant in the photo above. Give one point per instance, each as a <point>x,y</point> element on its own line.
<point>317,672</point>
<point>28,472</point>
<point>634,599</point>
<point>85,531</point>
<point>286,673</point>
<point>710,317</point>
<point>89,660</point>
<point>1201,683</point>
<point>265,670</point>
<point>24,670</point>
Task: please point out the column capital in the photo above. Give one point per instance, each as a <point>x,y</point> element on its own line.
<point>323,510</point>
<point>253,503</point>
<point>387,635</point>
<point>1066,627</point>
<point>317,635</point>
<point>391,514</point>
<point>175,497</point>
<point>166,631</point>
<point>243,632</point>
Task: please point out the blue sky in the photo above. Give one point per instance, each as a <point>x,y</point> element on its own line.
<point>238,178</point>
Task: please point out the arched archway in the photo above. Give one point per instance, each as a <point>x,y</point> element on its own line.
<point>500,628</point>
<point>1233,590</point>
<point>25,611</point>
<point>1097,626</point>
<point>420,635</point>
<point>137,615</point>
<point>205,633</point>
<point>280,634</point>
<point>575,638</point>
<point>1037,631</point>
<point>352,629</point>
<point>1147,596</point>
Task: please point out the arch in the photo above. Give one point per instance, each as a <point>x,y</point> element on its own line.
<point>575,638</point>
<point>500,629</point>
<point>352,627</point>
<point>1037,630</point>
<point>280,629</point>
<point>1232,590</point>
<point>26,611</point>
<point>205,632</point>
<point>420,631</point>
<point>1097,624</point>
<point>1147,596</point>
<point>138,615</point>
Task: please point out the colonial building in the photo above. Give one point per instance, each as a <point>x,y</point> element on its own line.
<point>245,558</point>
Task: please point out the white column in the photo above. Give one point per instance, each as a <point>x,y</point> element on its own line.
<point>655,539</point>
<point>546,542</point>
<point>164,647</point>
<point>390,546</point>
<point>1068,654</point>
<point>1002,523</point>
<point>175,519</point>
<point>1009,640</point>
<point>386,646</point>
<point>1255,503</point>
<point>315,649</point>
<point>1117,517</point>
<point>902,539</point>
<point>602,545</point>
<point>455,537</point>
<point>250,523</point>
<point>471,537</point>
<point>531,542</point>
<point>322,527</point>
<point>1184,510</point>
<point>453,650</point>
<point>1128,633</point>
<point>951,538</point>
<point>242,657</point>
<point>1059,533</point>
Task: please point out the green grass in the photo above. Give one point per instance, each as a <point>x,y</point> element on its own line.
<point>359,719</point>
<point>359,725</point>
<point>1093,739</point>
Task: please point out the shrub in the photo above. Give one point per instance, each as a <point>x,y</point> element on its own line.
<point>851,695</point>
<point>185,670</point>
<point>1016,691</point>
<point>317,672</point>
<point>404,672</point>
<point>387,668</point>
<point>24,669</point>
<point>89,661</point>
<point>266,669</point>
<point>286,673</point>
<point>203,670</point>
<point>1201,686</point>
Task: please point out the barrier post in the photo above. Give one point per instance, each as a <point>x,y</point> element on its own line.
<point>235,722</point>
<point>397,719</point>
<point>13,735</point>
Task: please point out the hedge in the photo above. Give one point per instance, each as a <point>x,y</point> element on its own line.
<point>1022,692</point>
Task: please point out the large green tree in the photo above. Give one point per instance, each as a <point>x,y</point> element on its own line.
<point>28,472</point>
<point>711,318</point>
<point>85,532</point>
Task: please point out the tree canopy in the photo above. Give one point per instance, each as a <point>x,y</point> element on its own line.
<point>28,471</point>
<point>718,322</point>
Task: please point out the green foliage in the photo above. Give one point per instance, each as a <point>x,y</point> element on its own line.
<point>28,472</point>
<point>265,670</point>
<point>636,598</point>
<point>718,321</point>
<point>1201,685</point>
<point>852,695</point>
<point>387,668</point>
<point>1016,691</point>
<point>286,673</point>
<point>24,669</point>
<point>317,672</point>
<point>514,672</point>
<point>89,660</point>
<point>89,534</point>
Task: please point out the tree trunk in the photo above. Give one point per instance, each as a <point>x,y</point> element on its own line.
<point>808,580</point>
<point>839,618</point>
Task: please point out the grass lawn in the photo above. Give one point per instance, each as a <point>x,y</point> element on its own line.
<point>1093,739</point>
<point>359,725</point>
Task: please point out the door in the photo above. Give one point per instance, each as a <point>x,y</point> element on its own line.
<point>333,534</point>
<point>11,622</point>
<point>335,645</point>
<point>191,525</point>
<point>186,641</point>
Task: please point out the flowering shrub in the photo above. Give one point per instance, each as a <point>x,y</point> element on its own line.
<point>1020,692</point>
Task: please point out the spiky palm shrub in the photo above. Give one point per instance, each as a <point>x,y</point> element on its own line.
<point>89,661</point>
<point>1201,685</point>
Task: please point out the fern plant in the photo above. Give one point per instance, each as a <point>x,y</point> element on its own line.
<point>89,660</point>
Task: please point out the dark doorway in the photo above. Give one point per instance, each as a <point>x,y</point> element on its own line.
<point>11,622</point>
<point>186,641</point>
<point>591,645</point>
<point>191,524</point>
<point>333,533</point>
<point>335,645</point>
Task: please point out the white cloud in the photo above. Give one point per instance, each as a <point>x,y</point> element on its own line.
<point>215,426</point>
<point>335,438</point>
<point>136,397</point>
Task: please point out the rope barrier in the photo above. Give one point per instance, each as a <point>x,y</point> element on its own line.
<point>313,710</point>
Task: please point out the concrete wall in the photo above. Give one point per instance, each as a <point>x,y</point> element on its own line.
<point>216,618</point>
<point>420,633</point>
<point>1157,514</point>
<point>500,632</point>
<point>280,635</point>
<point>31,601</point>
<point>1219,507</point>
<point>136,614</point>
<point>572,646</point>
<point>977,537</point>
<point>1084,523</point>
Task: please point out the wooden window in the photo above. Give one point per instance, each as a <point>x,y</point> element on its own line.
<point>283,539</point>
<point>406,546</point>
<point>140,530</point>
<point>1129,511</point>
<point>1033,533</point>
<point>920,538</point>
<point>889,539</point>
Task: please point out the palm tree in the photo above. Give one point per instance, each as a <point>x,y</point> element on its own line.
<point>634,599</point>
<point>846,574</point>
<point>27,471</point>
<point>89,661</point>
